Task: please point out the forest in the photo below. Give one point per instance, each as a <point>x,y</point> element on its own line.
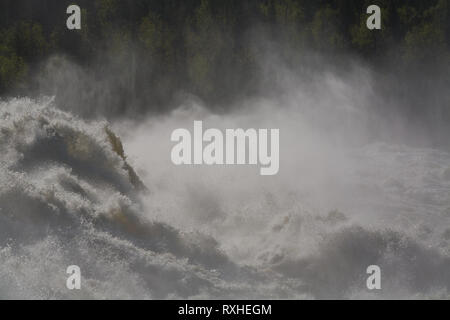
<point>148,51</point>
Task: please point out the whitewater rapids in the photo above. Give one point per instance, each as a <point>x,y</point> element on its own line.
<point>69,195</point>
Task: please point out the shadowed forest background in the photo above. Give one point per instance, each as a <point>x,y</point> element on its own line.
<point>142,55</point>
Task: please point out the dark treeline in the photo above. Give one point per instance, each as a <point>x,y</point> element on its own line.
<point>149,50</point>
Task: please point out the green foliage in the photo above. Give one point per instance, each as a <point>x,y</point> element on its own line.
<point>151,33</point>
<point>193,45</point>
<point>205,40</point>
<point>428,39</point>
<point>423,42</point>
<point>12,71</point>
<point>288,17</point>
<point>28,40</point>
<point>288,12</point>
<point>325,29</point>
<point>106,13</point>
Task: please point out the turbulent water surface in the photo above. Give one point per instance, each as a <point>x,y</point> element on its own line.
<point>69,195</point>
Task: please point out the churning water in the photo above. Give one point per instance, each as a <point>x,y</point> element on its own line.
<point>140,227</point>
